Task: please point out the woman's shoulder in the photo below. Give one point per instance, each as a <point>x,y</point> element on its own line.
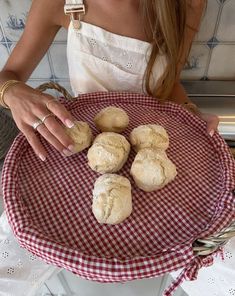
<point>52,10</point>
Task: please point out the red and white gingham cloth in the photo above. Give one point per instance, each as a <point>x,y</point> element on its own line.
<point>48,204</point>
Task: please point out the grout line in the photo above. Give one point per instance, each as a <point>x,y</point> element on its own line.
<point>51,64</point>
<point>4,36</point>
<point>214,35</point>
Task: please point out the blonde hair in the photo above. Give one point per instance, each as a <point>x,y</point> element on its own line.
<point>164,23</point>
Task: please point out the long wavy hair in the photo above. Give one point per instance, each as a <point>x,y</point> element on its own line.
<point>164,23</point>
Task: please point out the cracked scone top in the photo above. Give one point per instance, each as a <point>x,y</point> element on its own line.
<point>152,169</point>
<point>112,200</point>
<point>111,119</point>
<point>81,135</point>
<point>149,136</point>
<point>108,153</point>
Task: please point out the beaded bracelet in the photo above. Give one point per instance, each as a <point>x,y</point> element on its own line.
<point>4,88</point>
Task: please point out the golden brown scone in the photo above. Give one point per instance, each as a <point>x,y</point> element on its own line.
<point>152,169</point>
<point>112,200</point>
<point>108,153</point>
<point>149,136</point>
<point>81,134</point>
<point>111,119</point>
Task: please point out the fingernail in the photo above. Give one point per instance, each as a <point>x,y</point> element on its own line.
<point>42,157</point>
<point>212,133</point>
<point>67,152</point>
<point>72,148</point>
<point>69,123</point>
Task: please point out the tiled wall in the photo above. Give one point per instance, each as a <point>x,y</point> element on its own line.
<point>212,56</point>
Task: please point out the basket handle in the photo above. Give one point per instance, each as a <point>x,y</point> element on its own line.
<point>56,86</point>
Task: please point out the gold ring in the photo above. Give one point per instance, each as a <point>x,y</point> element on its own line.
<point>46,116</point>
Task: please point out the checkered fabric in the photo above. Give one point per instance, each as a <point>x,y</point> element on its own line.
<point>48,204</point>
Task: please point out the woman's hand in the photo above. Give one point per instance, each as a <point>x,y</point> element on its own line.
<point>28,106</point>
<point>212,121</point>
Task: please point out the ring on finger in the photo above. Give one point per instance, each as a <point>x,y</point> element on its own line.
<point>46,116</point>
<point>36,124</point>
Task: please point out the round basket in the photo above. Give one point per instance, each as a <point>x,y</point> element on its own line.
<point>48,204</point>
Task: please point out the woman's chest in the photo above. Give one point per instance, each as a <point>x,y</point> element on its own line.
<point>119,18</point>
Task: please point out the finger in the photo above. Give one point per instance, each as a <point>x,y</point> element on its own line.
<point>42,129</point>
<point>34,142</point>
<point>58,131</point>
<point>55,128</point>
<point>212,123</point>
<point>60,111</point>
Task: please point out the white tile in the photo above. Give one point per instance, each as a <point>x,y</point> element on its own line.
<point>222,65</point>
<point>195,68</point>
<point>59,60</point>
<point>4,55</point>
<point>1,33</point>
<point>43,69</point>
<point>226,29</point>
<point>208,21</point>
<point>61,35</point>
<point>13,16</point>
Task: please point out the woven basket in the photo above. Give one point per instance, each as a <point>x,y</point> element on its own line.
<point>8,131</point>
<point>202,246</point>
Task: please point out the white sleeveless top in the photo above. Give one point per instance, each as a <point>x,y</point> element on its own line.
<point>99,60</point>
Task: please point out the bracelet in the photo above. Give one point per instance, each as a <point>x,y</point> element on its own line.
<point>4,88</point>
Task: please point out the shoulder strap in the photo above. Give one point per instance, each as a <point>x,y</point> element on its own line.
<point>75,8</point>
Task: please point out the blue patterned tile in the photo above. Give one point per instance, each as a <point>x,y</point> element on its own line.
<point>213,42</point>
<point>13,16</point>
<point>4,54</point>
<point>4,44</point>
<point>196,65</point>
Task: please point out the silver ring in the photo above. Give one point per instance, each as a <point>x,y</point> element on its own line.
<point>36,124</point>
<point>46,116</point>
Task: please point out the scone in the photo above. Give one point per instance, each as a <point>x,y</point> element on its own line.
<point>111,119</point>
<point>81,135</point>
<point>149,136</point>
<point>108,153</point>
<point>112,201</point>
<point>152,169</point>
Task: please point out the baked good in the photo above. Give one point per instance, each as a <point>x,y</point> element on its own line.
<point>152,169</point>
<point>81,135</point>
<point>149,136</point>
<point>108,153</point>
<point>112,201</point>
<point>111,119</point>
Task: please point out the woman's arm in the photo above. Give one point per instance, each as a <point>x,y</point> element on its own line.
<point>27,104</point>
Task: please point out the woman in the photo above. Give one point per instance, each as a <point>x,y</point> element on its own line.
<point>161,30</point>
